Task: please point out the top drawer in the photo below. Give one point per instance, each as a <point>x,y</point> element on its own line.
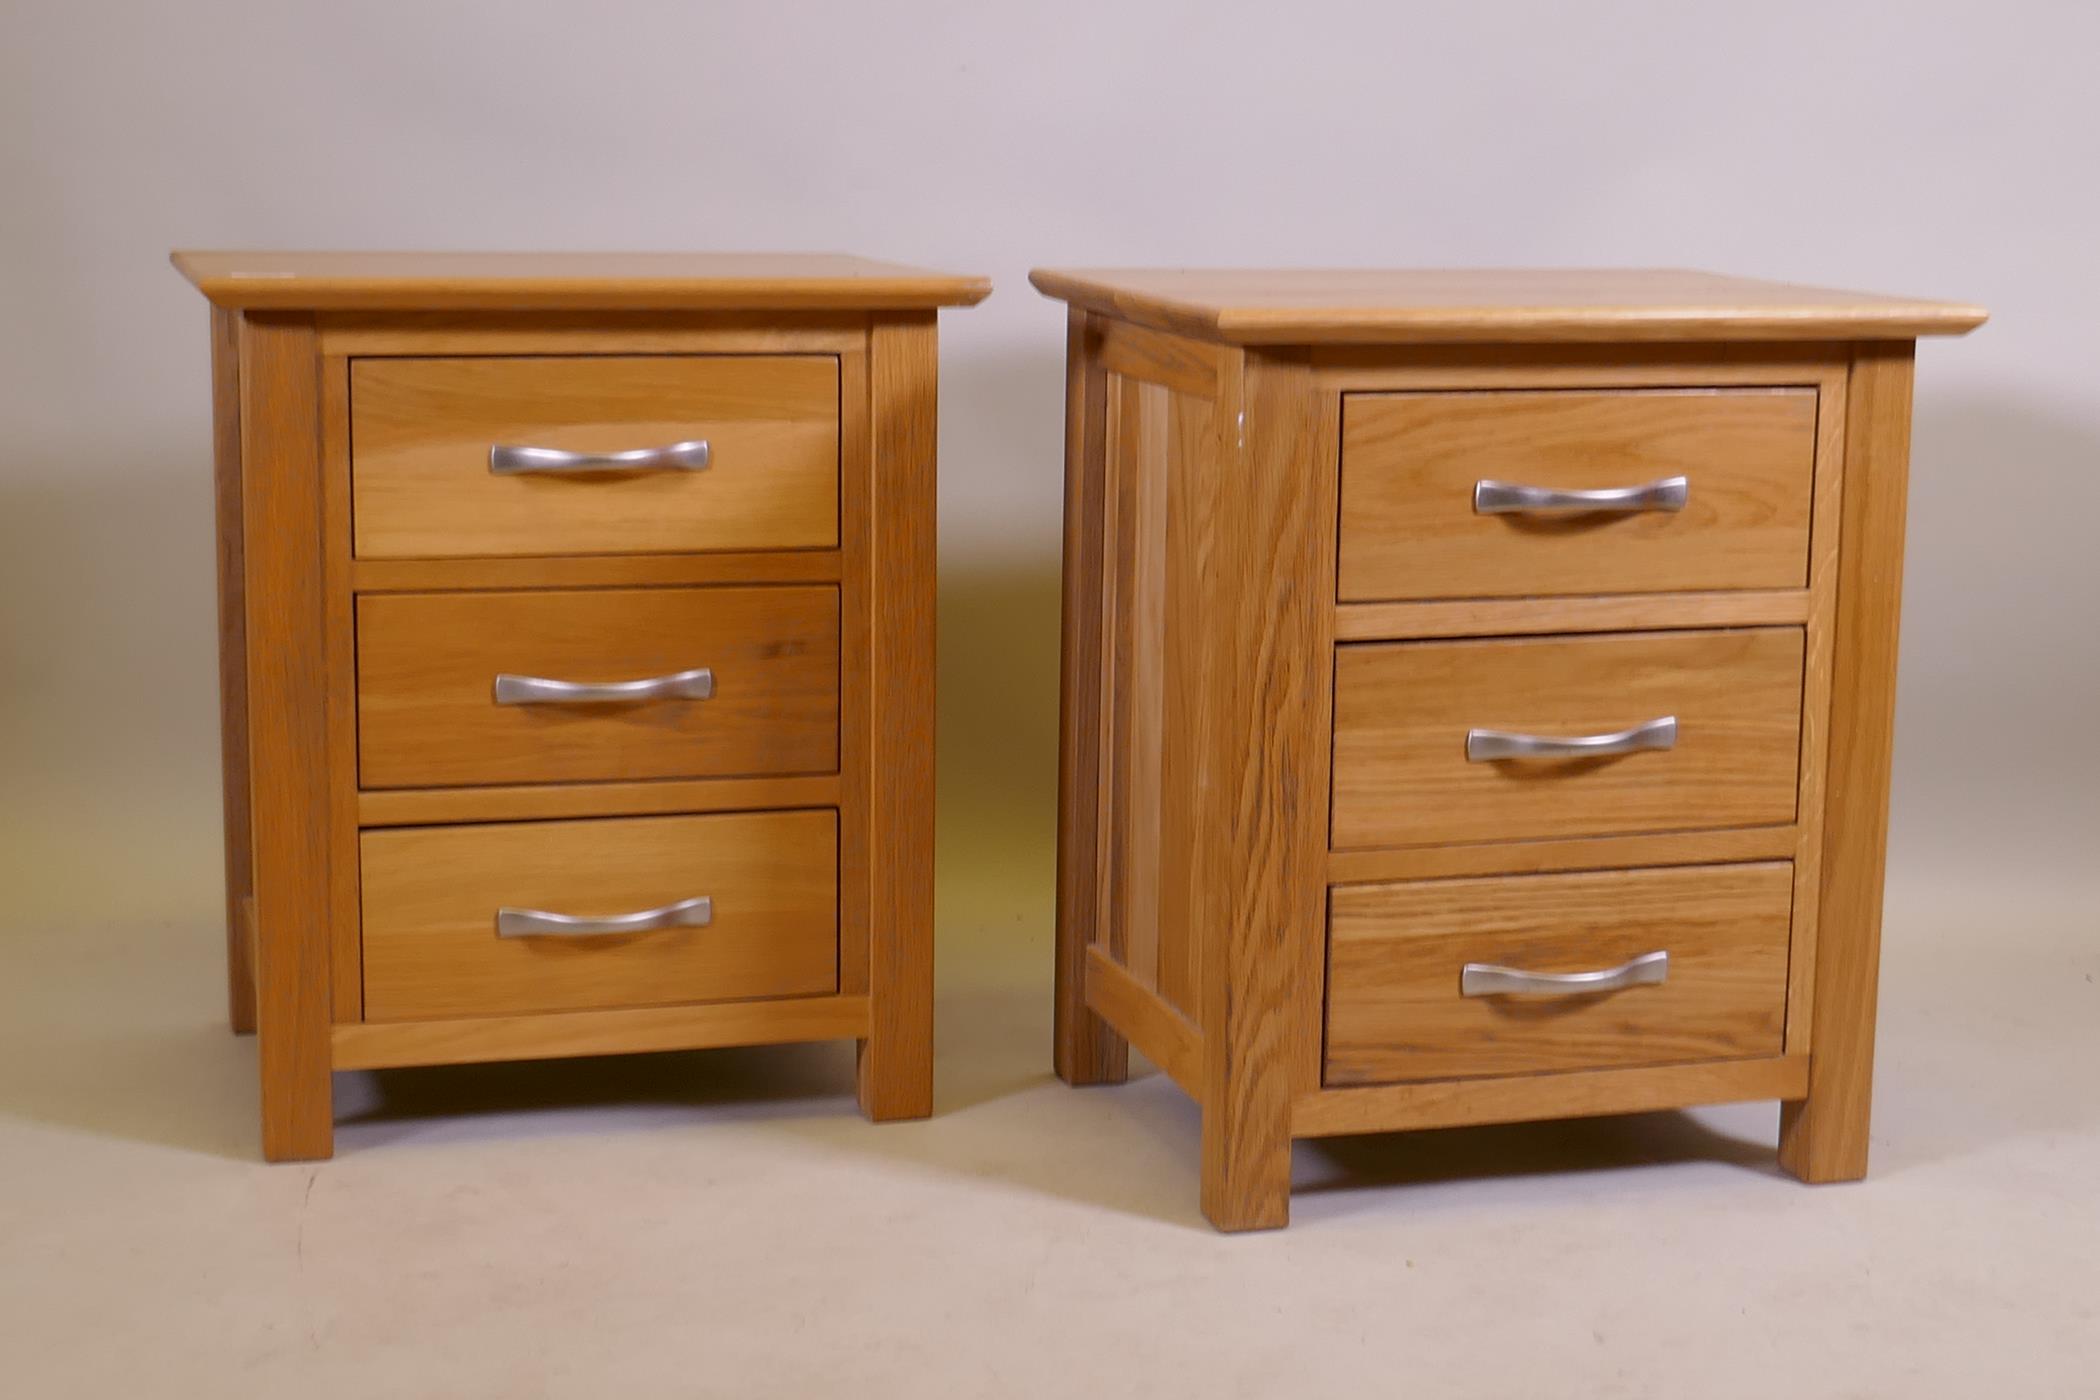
<point>1411,462</point>
<point>423,486</point>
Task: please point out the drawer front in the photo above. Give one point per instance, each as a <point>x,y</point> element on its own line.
<point>1410,463</point>
<point>1397,957</point>
<point>422,430</point>
<point>1403,712</point>
<point>431,897</point>
<point>427,666</point>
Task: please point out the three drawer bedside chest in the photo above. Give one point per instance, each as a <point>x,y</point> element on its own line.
<point>576,618</point>
<point>1477,699</point>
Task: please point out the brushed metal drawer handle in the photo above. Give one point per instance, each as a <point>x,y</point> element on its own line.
<point>539,923</point>
<point>1488,980</point>
<point>1509,498</point>
<point>508,460</point>
<point>1492,745</point>
<point>696,684</point>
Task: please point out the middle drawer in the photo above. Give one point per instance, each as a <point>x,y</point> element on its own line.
<point>431,713</point>
<point>1409,770</point>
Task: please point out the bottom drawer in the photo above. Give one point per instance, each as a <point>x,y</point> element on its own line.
<point>1400,1007</point>
<point>431,898</point>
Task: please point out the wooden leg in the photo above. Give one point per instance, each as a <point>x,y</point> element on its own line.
<point>233,667</point>
<point>1086,1049</point>
<point>1824,1137</point>
<point>896,1060</point>
<point>288,773</point>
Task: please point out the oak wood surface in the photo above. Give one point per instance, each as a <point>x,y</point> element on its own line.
<point>431,895</point>
<point>1086,1049</point>
<point>423,428</point>
<point>595,571</point>
<point>857,848</point>
<point>1511,617</point>
<point>233,664</point>
<point>1568,853</point>
<point>1402,712</point>
<point>636,332</point>
<point>1145,1019</point>
<point>1394,1009</point>
<point>590,281</point>
<point>895,1064</point>
<point>1454,1103</point>
<point>1410,462</point>
<point>339,641</point>
<point>427,664</point>
<point>546,801</point>
<point>289,774</point>
<point>1824,1137</point>
<point>628,1030</point>
<point>1301,306</point>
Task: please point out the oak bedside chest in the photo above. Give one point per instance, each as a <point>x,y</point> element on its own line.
<point>1477,698</point>
<point>576,619</point>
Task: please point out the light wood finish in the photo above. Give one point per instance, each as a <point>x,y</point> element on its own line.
<point>1573,853</point>
<point>545,801</point>
<point>1824,1137</point>
<point>289,774</point>
<point>1410,463</point>
<point>595,571</point>
<point>1402,711</point>
<point>597,282</point>
<point>423,427</point>
<point>1086,1049</point>
<point>895,1063</point>
<point>1502,306</point>
<point>233,666</point>
<point>1525,1098</point>
<point>1241,720</point>
<point>1144,1019</point>
<point>431,895</point>
<point>633,1030</point>
<point>811,566</point>
<point>1496,617</point>
<point>427,663</point>
<point>1394,1009</point>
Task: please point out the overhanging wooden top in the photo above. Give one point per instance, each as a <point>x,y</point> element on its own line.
<point>574,281</point>
<point>1301,306</point>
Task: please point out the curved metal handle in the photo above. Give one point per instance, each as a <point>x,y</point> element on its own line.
<point>696,684</point>
<point>1492,745</point>
<point>538,923</point>
<point>507,460</point>
<point>1508,498</point>
<point>1488,980</point>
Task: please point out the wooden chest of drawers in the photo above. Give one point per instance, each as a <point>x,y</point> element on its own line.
<point>576,622</point>
<point>1477,698</point>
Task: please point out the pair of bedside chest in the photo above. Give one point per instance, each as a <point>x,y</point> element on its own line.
<point>1477,686</point>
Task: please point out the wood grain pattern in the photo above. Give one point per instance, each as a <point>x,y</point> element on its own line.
<point>1572,853</point>
<point>1394,1011</point>
<point>233,663</point>
<point>1410,463</point>
<point>1456,1103</point>
<point>547,801</point>
<point>431,896</point>
<point>339,641</point>
<point>896,1058</point>
<point>1510,617</point>
<point>595,571</point>
<point>427,663</point>
<point>628,1031</point>
<point>1402,368</point>
<point>1260,859</point>
<point>423,428</point>
<point>1170,362</point>
<point>425,281</point>
<point>289,775</point>
<point>1402,711</point>
<point>632,332</point>
<point>857,495</point>
<point>1824,1137</point>
<point>1160,1033</point>
<point>1302,306</point>
<point>1086,1050</point>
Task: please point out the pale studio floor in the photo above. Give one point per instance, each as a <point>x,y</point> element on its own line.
<point>725,1225</point>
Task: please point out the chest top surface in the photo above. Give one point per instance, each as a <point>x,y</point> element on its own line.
<point>1250,306</point>
<point>322,281</point>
